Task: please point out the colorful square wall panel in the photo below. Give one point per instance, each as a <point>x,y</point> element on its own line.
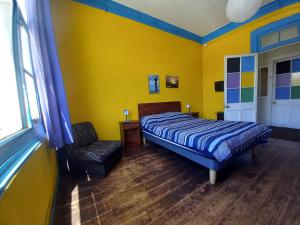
<point>248,64</point>
<point>283,67</point>
<point>282,93</point>
<point>283,80</point>
<point>247,94</point>
<point>296,79</point>
<point>233,95</point>
<point>296,65</point>
<point>247,79</point>
<point>233,65</point>
<point>233,80</point>
<point>296,92</point>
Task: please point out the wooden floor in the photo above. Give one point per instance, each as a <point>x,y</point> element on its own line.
<point>156,186</point>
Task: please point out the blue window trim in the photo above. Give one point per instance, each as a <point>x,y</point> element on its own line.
<point>277,26</point>
<point>16,149</point>
<point>124,11</point>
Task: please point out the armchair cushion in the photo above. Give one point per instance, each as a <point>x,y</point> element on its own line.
<point>96,152</point>
<point>83,134</point>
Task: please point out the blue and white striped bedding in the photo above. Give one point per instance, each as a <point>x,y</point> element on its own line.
<point>219,140</point>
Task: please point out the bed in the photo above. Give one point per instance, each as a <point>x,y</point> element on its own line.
<point>210,143</point>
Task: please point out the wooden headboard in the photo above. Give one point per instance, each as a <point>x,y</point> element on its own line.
<point>146,109</point>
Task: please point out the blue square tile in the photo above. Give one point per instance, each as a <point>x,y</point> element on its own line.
<point>296,65</point>
<point>248,64</point>
<point>233,95</point>
<point>283,93</point>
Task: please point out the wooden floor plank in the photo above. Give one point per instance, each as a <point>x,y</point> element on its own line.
<point>156,186</point>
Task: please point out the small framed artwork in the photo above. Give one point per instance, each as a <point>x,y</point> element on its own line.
<point>172,82</point>
<point>153,84</point>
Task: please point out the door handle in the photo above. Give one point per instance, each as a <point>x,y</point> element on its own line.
<point>274,103</point>
<point>227,106</point>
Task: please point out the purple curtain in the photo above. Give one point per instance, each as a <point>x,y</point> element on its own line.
<point>49,78</point>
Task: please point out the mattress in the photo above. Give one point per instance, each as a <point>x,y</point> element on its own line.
<point>219,140</point>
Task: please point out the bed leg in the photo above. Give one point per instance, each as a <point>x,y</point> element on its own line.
<point>253,155</point>
<point>212,176</point>
<point>144,141</point>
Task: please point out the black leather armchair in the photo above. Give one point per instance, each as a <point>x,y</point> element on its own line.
<point>88,155</point>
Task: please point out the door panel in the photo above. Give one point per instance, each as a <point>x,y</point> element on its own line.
<point>295,116</point>
<point>233,115</point>
<point>280,115</point>
<point>248,115</point>
<point>286,94</point>
<point>240,88</point>
<point>264,97</point>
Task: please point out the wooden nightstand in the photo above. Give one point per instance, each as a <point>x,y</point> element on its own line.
<point>130,134</point>
<point>193,114</point>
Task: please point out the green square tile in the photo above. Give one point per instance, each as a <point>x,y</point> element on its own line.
<point>296,92</point>
<point>247,94</point>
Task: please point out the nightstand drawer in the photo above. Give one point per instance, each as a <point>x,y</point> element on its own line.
<point>130,125</point>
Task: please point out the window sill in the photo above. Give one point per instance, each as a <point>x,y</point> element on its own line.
<point>16,150</point>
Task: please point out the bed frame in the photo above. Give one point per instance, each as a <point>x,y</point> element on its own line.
<point>145,109</point>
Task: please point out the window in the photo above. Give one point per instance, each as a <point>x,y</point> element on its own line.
<point>270,39</point>
<point>288,79</point>
<point>280,33</point>
<point>18,95</point>
<point>21,129</point>
<point>280,37</point>
<point>289,33</point>
<point>10,113</point>
<point>28,72</point>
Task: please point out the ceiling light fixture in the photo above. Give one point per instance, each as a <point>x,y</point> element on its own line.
<point>239,11</point>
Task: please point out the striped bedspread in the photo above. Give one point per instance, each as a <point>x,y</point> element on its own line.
<point>216,139</point>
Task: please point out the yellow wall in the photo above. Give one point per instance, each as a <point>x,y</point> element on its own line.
<point>106,60</point>
<point>235,42</point>
<point>28,199</point>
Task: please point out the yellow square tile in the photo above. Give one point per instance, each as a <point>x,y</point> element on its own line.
<point>296,79</point>
<point>247,79</point>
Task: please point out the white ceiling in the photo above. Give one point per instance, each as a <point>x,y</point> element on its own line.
<point>200,17</point>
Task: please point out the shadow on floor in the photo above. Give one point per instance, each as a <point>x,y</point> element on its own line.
<point>286,133</point>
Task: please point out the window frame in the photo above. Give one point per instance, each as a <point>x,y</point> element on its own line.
<point>280,42</point>
<point>17,147</point>
<point>20,22</point>
<point>276,26</point>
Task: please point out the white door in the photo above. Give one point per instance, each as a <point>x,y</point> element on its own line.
<point>240,88</point>
<point>286,93</point>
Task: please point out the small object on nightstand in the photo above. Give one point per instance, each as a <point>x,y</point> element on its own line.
<point>130,134</point>
<point>193,114</point>
<point>188,106</point>
<point>126,113</point>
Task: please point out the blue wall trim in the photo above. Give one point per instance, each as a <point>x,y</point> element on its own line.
<point>257,34</point>
<point>124,11</point>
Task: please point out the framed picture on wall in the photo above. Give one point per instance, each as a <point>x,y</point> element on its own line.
<point>153,84</point>
<point>172,81</point>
